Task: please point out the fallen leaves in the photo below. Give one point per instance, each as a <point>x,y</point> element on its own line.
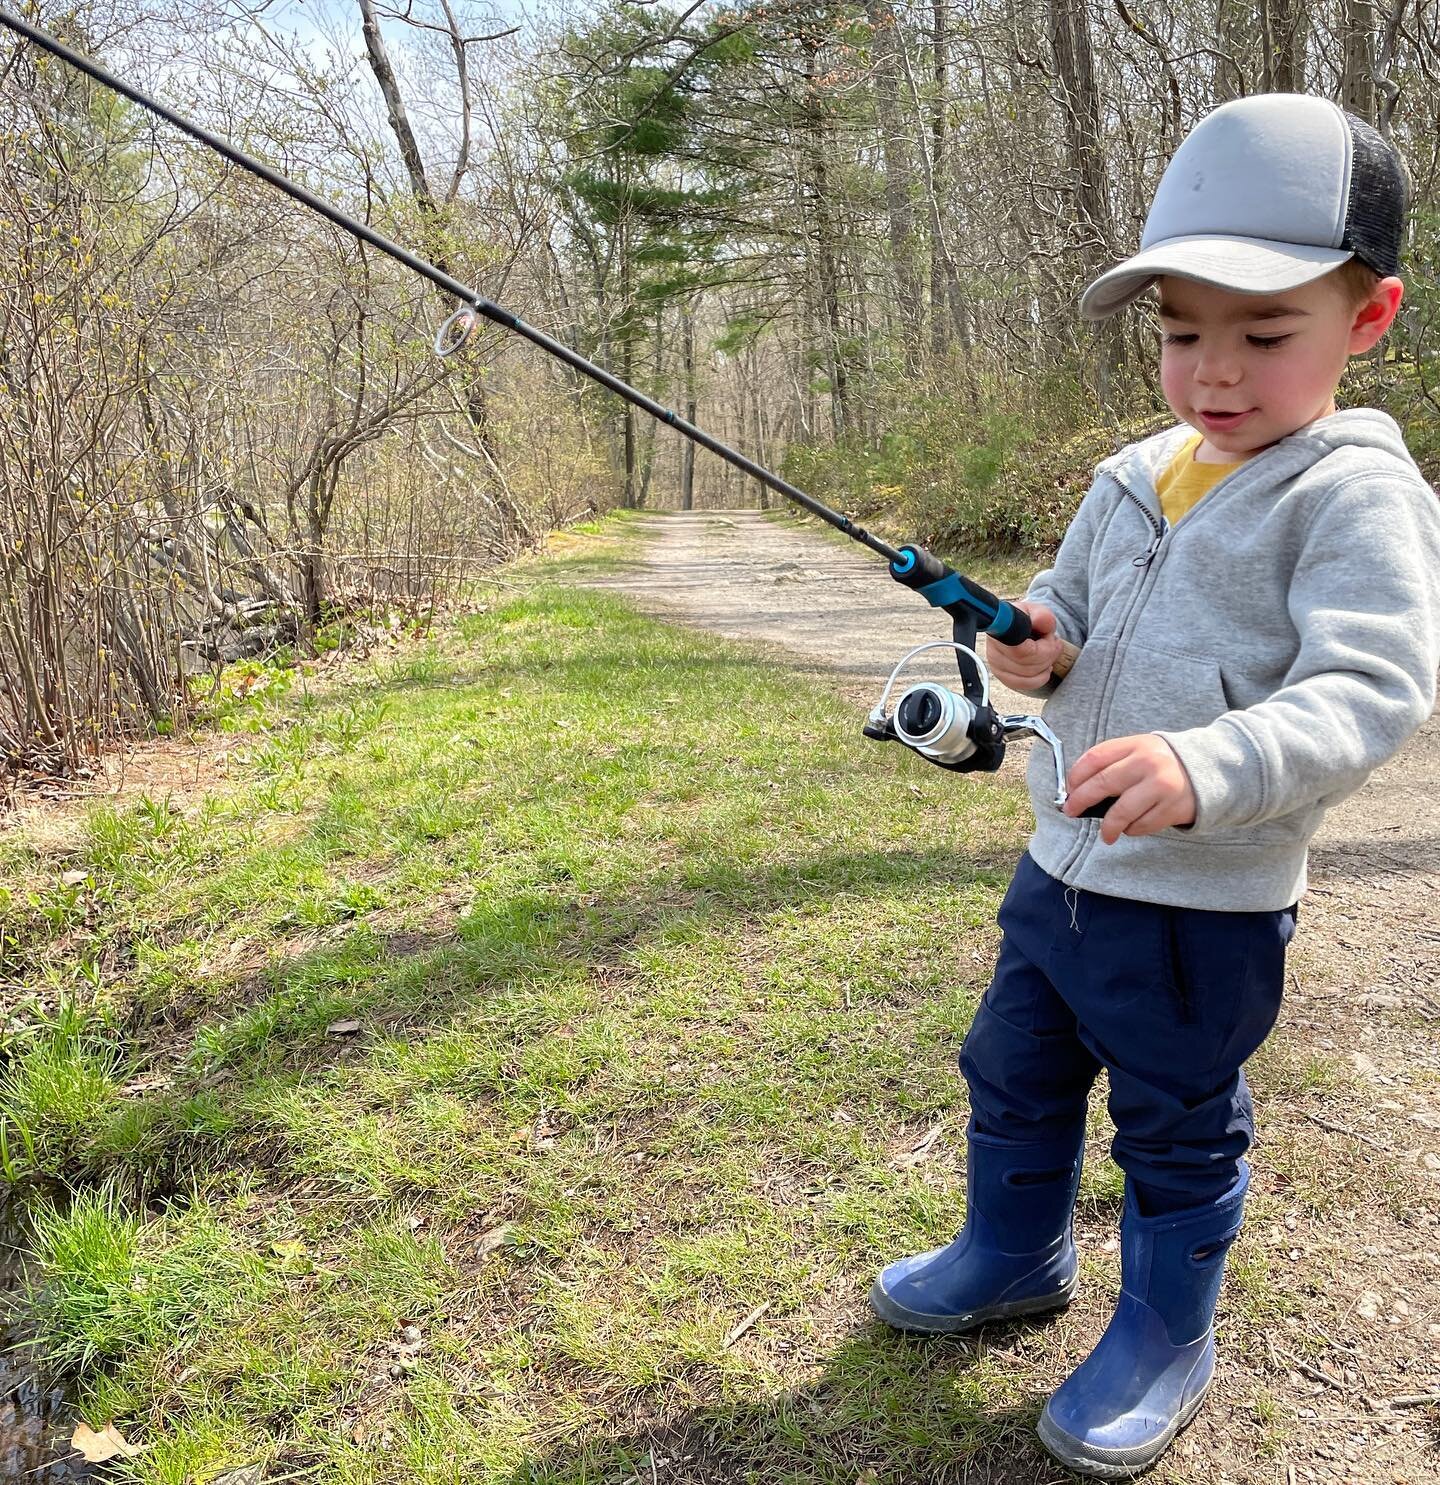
<point>919,1152</point>
<point>109,1443</point>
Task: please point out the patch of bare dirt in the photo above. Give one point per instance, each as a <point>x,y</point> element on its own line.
<point>50,810</point>
<point>1330,1366</point>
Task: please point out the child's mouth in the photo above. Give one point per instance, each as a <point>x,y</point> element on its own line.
<point>1223,422</point>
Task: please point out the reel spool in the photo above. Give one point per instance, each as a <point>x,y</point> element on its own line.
<point>936,722</point>
<point>947,728</point>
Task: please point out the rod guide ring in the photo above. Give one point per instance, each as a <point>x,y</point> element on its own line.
<point>457,331</point>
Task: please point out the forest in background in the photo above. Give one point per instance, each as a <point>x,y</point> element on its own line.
<point>847,238</point>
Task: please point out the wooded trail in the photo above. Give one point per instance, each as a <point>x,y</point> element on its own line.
<point>747,576</point>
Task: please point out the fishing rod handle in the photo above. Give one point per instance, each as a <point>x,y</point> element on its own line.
<point>959,596</point>
<point>939,584</point>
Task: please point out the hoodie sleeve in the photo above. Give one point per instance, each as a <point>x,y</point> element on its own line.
<point>1065,587</point>
<point>1365,601</point>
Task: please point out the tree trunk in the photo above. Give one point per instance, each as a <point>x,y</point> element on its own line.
<point>1237,40</point>
<point>646,449</point>
<point>627,371</point>
<point>1357,86</point>
<point>826,254</point>
<point>687,453</point>
<point>899,179</point>
<point>1079,99</point>
<point>757,431</point>
<point>395,107</point>
<point>1080,107</point>
<point>312,559</point>
<point>1386,87</point>
<point>939,172</point>
<point>1283,35</point>
<point>473,394</point>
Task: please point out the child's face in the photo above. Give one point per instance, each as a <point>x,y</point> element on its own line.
<point>1245,370</point>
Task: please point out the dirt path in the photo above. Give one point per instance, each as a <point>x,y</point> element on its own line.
<point>825,603</point>
<point>1342,1313</point>
<point>748,576</point>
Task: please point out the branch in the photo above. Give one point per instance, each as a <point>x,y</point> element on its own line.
<point>451,31</point>
<point>1152,40</point>
<point>462,72</point>
<point>395,106</point>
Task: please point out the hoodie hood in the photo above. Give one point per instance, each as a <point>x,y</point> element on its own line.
<point>1359,432</point>
<point>1358,428</point>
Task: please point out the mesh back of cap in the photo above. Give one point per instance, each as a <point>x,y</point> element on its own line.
<point>1375,215</point>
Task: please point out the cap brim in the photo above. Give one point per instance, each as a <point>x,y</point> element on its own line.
<point>1245,265</point>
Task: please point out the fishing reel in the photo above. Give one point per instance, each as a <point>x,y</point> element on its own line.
<point>958,730</point>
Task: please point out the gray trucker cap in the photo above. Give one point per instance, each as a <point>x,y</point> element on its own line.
<point>1266,194</point>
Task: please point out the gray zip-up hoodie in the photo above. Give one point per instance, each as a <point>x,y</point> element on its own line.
<point>1283,638</point>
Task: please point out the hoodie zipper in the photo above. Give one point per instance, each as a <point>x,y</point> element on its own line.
<point>1158,528</point>
<point>1143,562</point>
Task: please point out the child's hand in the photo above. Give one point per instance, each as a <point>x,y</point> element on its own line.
<point>1149,784</point>
<point>1026,667</point>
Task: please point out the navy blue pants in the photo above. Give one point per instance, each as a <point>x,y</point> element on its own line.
<point>1170,1001</point>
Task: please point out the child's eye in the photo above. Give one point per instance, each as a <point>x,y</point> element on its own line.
<point>1267,342</point>
<point>1178,339</point>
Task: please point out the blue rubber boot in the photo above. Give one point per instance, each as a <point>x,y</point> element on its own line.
<point>1015,1254</point>
<point>1118,1412</point>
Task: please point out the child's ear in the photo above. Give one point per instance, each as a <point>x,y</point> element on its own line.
<point>1376,315</point>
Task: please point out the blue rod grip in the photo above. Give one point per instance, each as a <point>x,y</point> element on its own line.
<point>940,585</point>
<point>1011,626</point>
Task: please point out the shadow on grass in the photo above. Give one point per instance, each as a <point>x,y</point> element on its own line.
<point>525,962</point>
<point>501,941</point>
<point>881,1407</point>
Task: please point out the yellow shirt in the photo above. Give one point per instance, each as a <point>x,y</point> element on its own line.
<point>1184,483</point>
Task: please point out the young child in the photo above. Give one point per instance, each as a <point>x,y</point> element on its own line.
<point>1256,598</point>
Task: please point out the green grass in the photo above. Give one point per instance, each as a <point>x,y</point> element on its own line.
<point>119,1284</point>
<point>434,1102</point>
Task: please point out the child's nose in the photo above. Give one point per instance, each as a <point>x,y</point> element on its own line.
<point>1217,367</point>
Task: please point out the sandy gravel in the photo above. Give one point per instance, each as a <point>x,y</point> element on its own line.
<point>747,576</point>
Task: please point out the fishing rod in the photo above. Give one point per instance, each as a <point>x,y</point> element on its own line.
<point>963,733</point>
